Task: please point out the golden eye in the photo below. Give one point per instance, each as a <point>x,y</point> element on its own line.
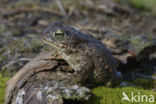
<point>59,33</point>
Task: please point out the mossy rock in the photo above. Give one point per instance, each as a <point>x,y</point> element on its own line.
<point>139,42</point>
<point>102,95</point>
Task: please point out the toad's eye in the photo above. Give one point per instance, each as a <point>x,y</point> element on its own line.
<point>59,34</point>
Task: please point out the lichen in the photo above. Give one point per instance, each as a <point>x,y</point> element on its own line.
<point>63,90</point>
<point>39,95</point>
<point>19,98</point>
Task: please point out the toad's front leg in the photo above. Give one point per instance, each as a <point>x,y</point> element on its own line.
<point>83,71</point>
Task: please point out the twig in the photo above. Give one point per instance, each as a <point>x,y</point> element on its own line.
<point>25,59</point>
<point>13,62</point>
<point>29,98</point>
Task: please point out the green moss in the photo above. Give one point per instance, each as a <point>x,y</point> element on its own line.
<point>145,83</point>
<point>147,5</point>
<point>144,4</point>
<point>104,95</point>
<point>3,81</point>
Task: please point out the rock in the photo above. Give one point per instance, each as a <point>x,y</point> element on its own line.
<point>46,77</point>
<point>142,45</point>
<point>116,43</point>
<point>123,84</point>
<point>43,23</point>
<point>48,91</point>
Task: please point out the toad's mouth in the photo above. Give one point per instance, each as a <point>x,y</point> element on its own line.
<point>53,44</point>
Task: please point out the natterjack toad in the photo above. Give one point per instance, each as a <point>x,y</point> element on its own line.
<point>90,59</point>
